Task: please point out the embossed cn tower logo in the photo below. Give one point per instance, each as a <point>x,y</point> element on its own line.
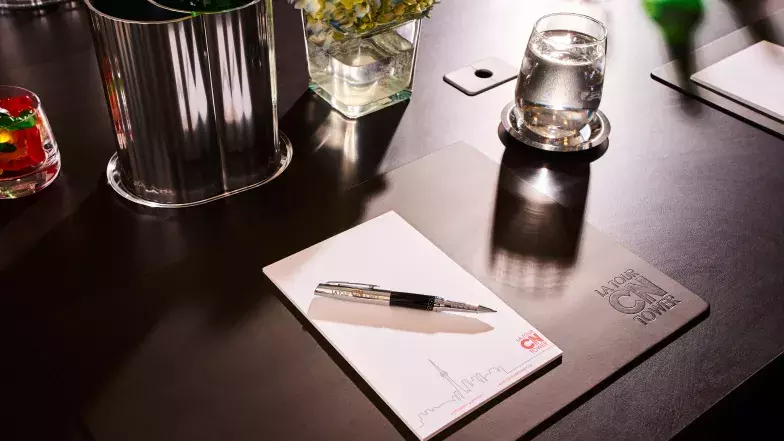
<point>630,293</point>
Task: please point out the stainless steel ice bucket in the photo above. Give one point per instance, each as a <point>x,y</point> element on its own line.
<point>192,98</point>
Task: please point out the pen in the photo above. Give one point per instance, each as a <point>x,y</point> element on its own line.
<point>360,292</point>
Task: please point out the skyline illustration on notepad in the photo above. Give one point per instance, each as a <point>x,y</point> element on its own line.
<point>431,369</point>
<point>468,388</point>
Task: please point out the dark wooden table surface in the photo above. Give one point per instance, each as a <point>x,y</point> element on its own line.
<point>117,323</point>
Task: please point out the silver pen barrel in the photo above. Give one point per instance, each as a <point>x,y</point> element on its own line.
<point>362,295</point>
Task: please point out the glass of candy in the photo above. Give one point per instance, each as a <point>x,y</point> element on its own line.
<point>29,159</point>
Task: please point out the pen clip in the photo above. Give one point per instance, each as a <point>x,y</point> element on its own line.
<point>352,285</point>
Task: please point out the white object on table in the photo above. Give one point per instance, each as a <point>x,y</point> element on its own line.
<point>753,77</point>
<point>431,368</point>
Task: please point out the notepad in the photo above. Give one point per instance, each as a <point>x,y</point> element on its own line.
<point>431,368</point>
<point>753,77</point>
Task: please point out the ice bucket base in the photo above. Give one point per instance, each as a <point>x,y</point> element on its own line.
<point>115,181</point>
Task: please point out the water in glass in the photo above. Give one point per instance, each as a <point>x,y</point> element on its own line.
<point>560,84</point>
<point>359,71</point>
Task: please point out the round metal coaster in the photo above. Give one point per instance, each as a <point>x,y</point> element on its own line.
<point>592,135</point>
<point>115,181</point>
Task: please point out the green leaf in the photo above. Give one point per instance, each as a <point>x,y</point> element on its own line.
<point>7,147</point>
<point>24,121</point>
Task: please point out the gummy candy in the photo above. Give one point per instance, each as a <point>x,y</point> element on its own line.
<point>21,143</point>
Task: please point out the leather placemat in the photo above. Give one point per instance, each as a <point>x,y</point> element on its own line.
<point>605,307</point>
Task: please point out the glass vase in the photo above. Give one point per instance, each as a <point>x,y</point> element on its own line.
<point>360,73</point>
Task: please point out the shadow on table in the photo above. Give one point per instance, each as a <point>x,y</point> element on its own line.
<point>678,21</point>
<point>399,319</point>
<point>78,303</point>
<point>539,215</point>
<point>751,13</point>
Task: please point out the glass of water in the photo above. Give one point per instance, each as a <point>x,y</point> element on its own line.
<point>561,79</point>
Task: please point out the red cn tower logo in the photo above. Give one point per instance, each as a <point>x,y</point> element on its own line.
<point>532,342</point>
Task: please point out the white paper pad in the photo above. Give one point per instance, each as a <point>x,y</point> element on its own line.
<point>431,368</point>
<point>753,77</point>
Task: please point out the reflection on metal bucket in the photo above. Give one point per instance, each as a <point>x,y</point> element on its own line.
<point>192,99</point>
<point>31,4</point>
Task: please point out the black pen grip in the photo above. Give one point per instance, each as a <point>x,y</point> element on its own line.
<point>414,301</point>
